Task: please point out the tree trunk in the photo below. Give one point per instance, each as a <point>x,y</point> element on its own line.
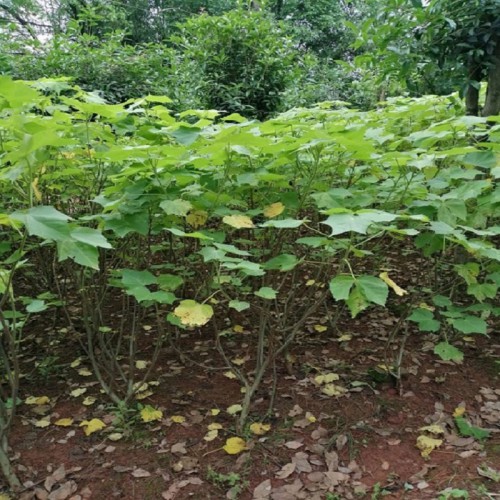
<point>492,104</point>
<point>474,77</point>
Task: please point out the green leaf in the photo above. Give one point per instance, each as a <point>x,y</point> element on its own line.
<point>469,324</point>
<point>176,207</point>
<point>356,301</point>
<point>340,287</point>
<point>90,236</point>
<point>283,262</point>
<point>36,306</point>
<point>45,222</point>
<point>374,289</point>
<point>485,159</point>
<point>239,305</point>
<point>425,320</point>
<point>169,282</point>
<point>357,222</point>
<point>284,223</point>
<point>447,352</point>
<point>468,430</point>
<point>132,278</point>
<point>266,292</point>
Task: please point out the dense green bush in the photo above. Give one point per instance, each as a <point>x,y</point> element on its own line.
<point>242,62</point>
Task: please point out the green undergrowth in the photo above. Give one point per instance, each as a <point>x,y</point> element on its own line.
<point>183,221</point>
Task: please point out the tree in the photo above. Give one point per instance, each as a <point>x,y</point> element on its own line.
<point>454,41</point>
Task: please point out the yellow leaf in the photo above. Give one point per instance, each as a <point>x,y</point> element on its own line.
<point>397,289</point>
<point>178,419</point>
<point>197,218</point>
<point>192,313</point>
<point>423,305</point>
<point>234,445</point>
<point>149,414</point>
<point>76,363</point>
<point>33,400</point>
<point>36,191</point>
<point>233,409</point>
<point>214,426</point>
<point>214,411</point>
<point>259,429</point>
<point>115,436</point>
<point>89,400</point>
<point>320,328</point>
<point>344,338</point>
<point>91,426</point>
<point>4,496</point>
<point>211,435</point>
<point>274,210</point>
<point>42,423</point>
<point>333,390</point>
<point>434,429</point>
<point>78,392</point>
<point>469,339</point>
<point>143,395</point>
<point>310,417</point>
<point>238,361</point>
<point>238,221</point>
<point>141,365</point>
<point>327,378</point>
<point>238,329</point>
<point>427,444</point>
<point>310,282</point>
<point>84,372</point>
<point>64,422</point>
<point>459,411</point>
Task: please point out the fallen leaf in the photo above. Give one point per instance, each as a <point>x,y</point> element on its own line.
<point>214,412</point>
<point>179,448</point>
<point>433,429</point>
<point>115,436</point>
<point>327,378</point>
<point>214,426</point>
<point>211,435</point>
<point>178,419</point>
<point>89,400</point>
<point>286,471</point>
<point>64,422</point>
<point>320,328</point>
<point>91,426</point>
<point>230,375</point>
<point>33,400</point>
<point>150,414</point>
<point>233,409</point>
<point>42,423</point>
<point>262,490</point>
<point>84,372</point>
<point>234,445</point>
<point>78,392</point>
<point>294,445</point>
<point>427,444</point>
<point>259,429</point>
<point>238,329</point>
<point>344,338</point>
<point>141,365</point>
<point>333,390</point>
<point>459,411</point>
<point>140,473</point>
<point>75,363</point>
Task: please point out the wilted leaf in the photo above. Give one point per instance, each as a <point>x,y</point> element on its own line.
<point>327,378</point>
<point>211,435</point>
<point>33,400</point>
<point>274,210</point>
<point>489,472</point>
<point>197,218</point>
<point>192,313</point>
<point>42,423</point>
<point>78,392</point>
<point>320,328</point>
<point>397,289</point>
<point>234,445</point>
<point>427,444</point>
<point>233,409</point>
<point>434,429</point>
<point>140,473</point>
<point>150,414</point>
<point>238,221</point>
<point>259,429</point>
<point>178,419</point>
<point>141,365</point>
<point>91,426</point>
<point>333,390</point>
<point>64,422</point>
